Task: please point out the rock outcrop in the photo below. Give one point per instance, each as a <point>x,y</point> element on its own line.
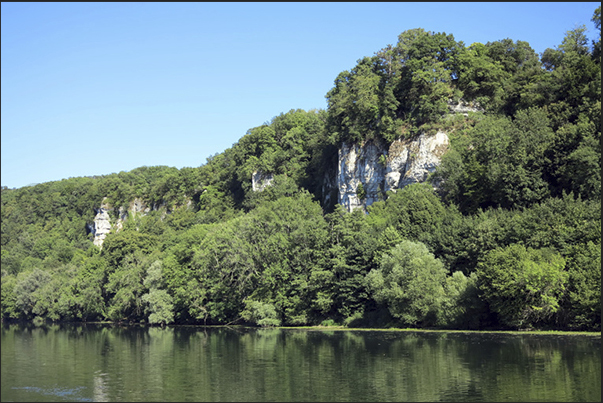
<point>260,180</point>
<point>359,167</point>
<point>366,171</point>
<point>103,223</point>
<point>464,107</point>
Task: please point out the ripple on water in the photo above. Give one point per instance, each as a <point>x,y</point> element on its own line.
<point>64,393</point>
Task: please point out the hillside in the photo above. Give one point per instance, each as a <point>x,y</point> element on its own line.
<point>445,186</point>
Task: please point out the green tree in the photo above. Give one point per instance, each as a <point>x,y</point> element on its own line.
<point>10,309</point>
<point>461,307</point>
<point>524,286</point>
<point>223,273</point>
<point>584,286</point>
<point>351,256</point>
<point>158,301</point>
<point>26,291</point>
<point>410,282</point>
<point>289,240</point>
<point>88,289</point>
<point>427,67</point>
<point>521,75</point>
<point>260,313</point>
<point>361,105</point>
<point>597,44</point>
<point>125,286</point>
<point>500,162</point>
<point>481,78</point>
<point>415,211</point>
<point>117,246</point>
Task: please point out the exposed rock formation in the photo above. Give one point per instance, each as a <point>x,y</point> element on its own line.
<point>260,180</point>
<point>102,221</point>
<point>412,161</point>
<point>102,224</point>
<point>359,164</point>
<point>367,171</point>
<point>464,107</point>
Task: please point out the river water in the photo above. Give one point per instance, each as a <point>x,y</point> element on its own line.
<point>112,363</point>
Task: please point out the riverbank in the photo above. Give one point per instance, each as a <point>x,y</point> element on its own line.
<point>321,328</point>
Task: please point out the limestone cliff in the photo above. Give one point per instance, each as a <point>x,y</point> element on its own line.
<point>260,180</point>
<point>103,222</point>
<point>102,225</point>
<point>366,171</point>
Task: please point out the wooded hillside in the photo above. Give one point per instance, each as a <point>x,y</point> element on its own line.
<point>510,238</point>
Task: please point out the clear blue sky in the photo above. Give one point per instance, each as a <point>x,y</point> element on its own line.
<point>97,88</point>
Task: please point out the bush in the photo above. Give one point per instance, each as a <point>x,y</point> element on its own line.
<point>410,283</point>
<point>523,286</point>
<point>260,313</point>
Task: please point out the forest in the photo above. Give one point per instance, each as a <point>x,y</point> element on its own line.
<point>505,234</point>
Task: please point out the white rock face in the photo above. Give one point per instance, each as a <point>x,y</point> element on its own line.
<point>380,170</point>
<point>464,107</point>
<point>102,221</point>
<point>260,180</point>
<point>137,206</point>
<point>102,224</point>
<point>422,157</point>
<point>359,165</point>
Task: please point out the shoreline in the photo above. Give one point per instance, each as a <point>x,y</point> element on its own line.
<point>327,328</point>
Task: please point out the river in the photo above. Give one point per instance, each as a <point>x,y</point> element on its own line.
<point>113,363</point>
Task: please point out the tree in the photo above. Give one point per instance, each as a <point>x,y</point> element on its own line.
<point>521,73</point>
<point>410,282</point>
<point>126,288</point>
<point>415,212</point>
<point>597,44</point>
<point>10,309</point>
<point>584,286</point>
<point>159,303</point>
<point>88,289</point>
<point>362,105</point>
<point>351,253</point>
<point>427,66</point>
<point>481,78</point>
<point>573,85</point>
<point>462,308</point>
<point>287,238</point>
<point>500,162</point>
<point>118,245</point>
<point>524,286</point>
<point>260,313</point>
<point>26,291</point>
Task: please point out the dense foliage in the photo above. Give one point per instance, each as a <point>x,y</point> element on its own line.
<point>511,238</point>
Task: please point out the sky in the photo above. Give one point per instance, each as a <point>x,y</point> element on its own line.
<point>97,88</point>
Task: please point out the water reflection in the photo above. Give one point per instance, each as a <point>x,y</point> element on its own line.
<point>110,363</point>
<point>62,394</point>
<point>99,393</point>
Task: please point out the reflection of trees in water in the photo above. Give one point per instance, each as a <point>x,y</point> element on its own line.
<point>236,364</point>
<point>276,364</point>
<point>99,393</point>
<point>427,366</point>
